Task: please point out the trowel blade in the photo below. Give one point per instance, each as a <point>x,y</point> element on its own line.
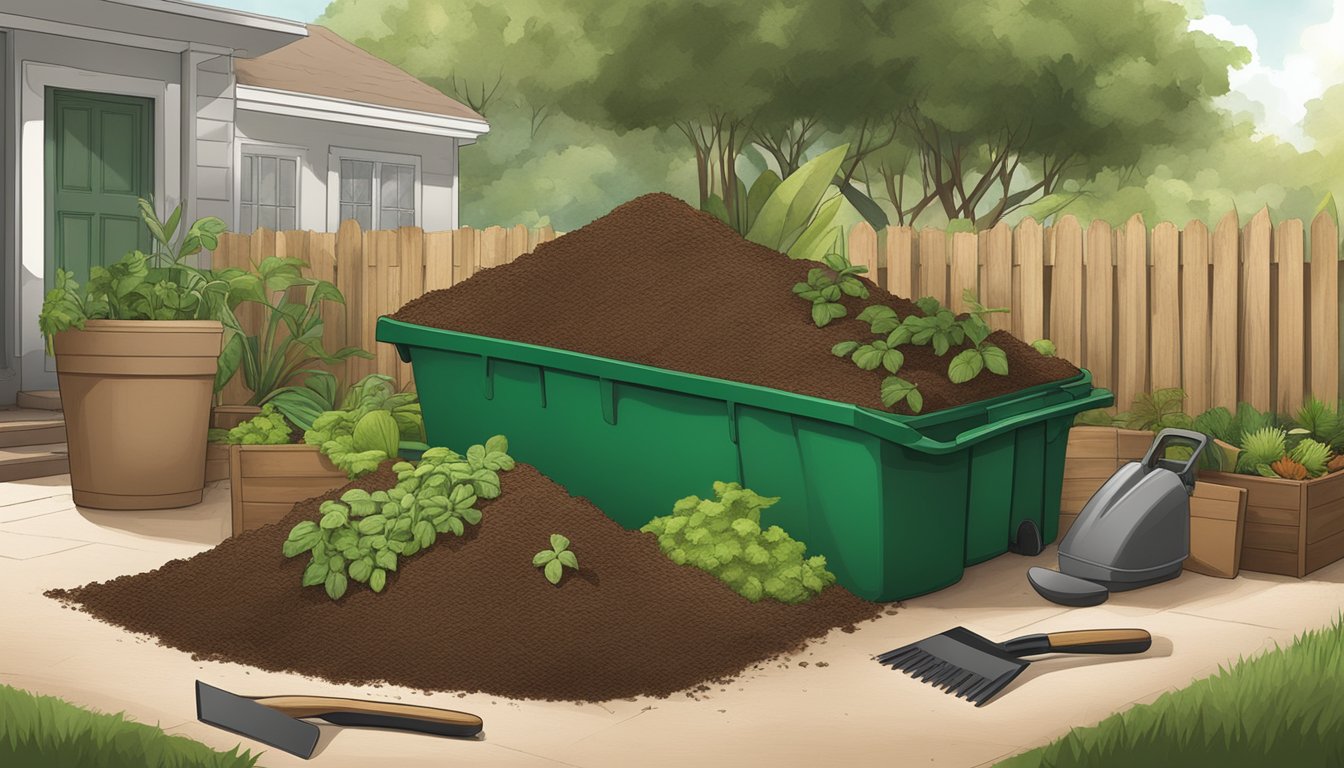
<point>246,717</point>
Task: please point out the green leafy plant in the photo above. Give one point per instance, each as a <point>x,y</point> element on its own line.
<point>824,290</point>
<point>983,354</point>
<point>1312,455</point>
<point>364,536</point>
<point>796,218</point>
<point>938,327</point>
<point>374,423</point>
<point>553,561</point>
<point>266,428</point>
<point>1320,422</point>
<point>303,403</point>
<point>1045,346</point>
<point>159,285</point>
<point>1261,448</point>
<point>1157,410</point>
<point>724,537</point>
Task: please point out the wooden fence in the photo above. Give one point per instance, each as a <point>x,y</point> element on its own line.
<point>377,271</point>
<point>1240,313</point>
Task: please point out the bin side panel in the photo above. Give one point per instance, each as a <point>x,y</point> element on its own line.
<point>1028,480</point>
<point>992,498</point>
<point>924,502</point>
<point>1056,449</point>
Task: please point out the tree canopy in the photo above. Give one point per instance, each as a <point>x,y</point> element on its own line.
<point>980,109</point>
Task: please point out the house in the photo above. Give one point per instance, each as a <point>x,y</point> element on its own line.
<point>257,120</point>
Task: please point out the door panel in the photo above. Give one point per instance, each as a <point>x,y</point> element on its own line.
<point>99,159</point>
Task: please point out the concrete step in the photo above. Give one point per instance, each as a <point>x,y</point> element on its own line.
<point>40,400</point>
<point>26,426</point>
<point>28,461</point>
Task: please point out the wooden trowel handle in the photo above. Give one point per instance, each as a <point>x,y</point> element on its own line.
<point>1082,641</point>
<point>377,714</point>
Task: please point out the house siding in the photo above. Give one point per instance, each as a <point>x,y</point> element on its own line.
<point>215,115</point>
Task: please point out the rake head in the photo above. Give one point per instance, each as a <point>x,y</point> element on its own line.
<point>958,662</point>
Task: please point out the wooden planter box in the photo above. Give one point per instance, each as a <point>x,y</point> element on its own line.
<point>216,462</point>
<point>230,416</point>
<point>1293,527</point>
<point>268,480</point>
<point>1217,512</point>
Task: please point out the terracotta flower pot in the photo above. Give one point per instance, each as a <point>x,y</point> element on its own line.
<point>136,395</point>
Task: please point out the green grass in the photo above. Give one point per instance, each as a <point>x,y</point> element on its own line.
<point>1283,708</point>
<point>41,731</point>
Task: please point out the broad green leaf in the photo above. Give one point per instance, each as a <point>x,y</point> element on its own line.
<point>497,444</point>
<point>455,525</point>
<point>760,191</point>
<point>792,204</point>
<point>315,573</point>
<point>895,389</point>
<point>543,557</point>
<point>965,366</point>
<point>914,400</point>
<point>568,558</point>
<point>471,514</point>
<point>715,207</point>
<point>424,533</point>
<point>302,530</point>
<point>361,569</point>
<point>378,580</point>
<point>844,348</point>
<point>867,357</point>
<point>819,239</point>
<point>559,543</point>
<point>1044,346</point>
<point>336,585</point>
<point>892,360</point>
<point>372,524</point>
<point>386,559</point>
<point>995,359</point>
<point>940,343</point>
<point>553,571</point>
<point>335,518</point>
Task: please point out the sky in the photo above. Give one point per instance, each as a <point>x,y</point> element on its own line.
<point>1294,46</point>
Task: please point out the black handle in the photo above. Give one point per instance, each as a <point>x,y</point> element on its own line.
<point>371,720</point>
<point>1109,641</point>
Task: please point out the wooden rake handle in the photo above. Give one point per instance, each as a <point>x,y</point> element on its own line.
<point>377,714</point>
<point>1111,641</point>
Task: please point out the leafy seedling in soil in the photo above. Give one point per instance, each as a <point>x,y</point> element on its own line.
<point>970,362</point>
<point>1045,346</point>
<point>824,290</point>
<point>555,560</point>
<point>364,535</point>
<point>884,353</point>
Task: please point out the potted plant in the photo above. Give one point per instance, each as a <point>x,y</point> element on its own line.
<point>1290,468</point>
<point>136,356</point>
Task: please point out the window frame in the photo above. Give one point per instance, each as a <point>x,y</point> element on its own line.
<point>337,154</point>
<point>282,151</point>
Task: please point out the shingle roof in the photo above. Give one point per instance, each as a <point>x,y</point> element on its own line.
<point>326,64</point>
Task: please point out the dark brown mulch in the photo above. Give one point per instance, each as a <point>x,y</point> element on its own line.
<point>473,614</point>
<point>660,283</point>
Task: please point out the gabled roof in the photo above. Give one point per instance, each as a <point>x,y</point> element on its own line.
<point>327,65</point>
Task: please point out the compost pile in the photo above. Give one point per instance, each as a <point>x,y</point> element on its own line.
<point>473,613</point>
<point>659,283</point>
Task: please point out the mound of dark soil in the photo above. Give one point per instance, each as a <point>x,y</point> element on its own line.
<point>660,283</point>
<point>473,614</point>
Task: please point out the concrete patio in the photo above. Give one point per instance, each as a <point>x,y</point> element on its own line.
<point>839,708</point>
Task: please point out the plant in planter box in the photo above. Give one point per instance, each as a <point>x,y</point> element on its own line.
<point>374,423</point>
<point>266,428</point>
<point>139,344</point>
<point>302,403</point>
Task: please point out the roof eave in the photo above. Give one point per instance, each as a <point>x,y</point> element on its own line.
<point>294,104</point>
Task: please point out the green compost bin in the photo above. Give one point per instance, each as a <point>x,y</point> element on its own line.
<point>899,505</point>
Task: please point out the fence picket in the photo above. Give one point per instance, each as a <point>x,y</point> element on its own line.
<point>933,264</point>
<point>1226,334</point>
<point>901,262</point>
<point>438,260</point>
<point>1164,345</point>
<point>996,290</point>
<point>1029,256</point>
<point>1255,344</point>
<point>1290,342</point>
<point>1131,290</point>
<point>1324,307</point>
<point>863,248</point>
<point>1195,317</point>
<point>1066,290</point>
<point>965,269</point>
<point>1098,333</point>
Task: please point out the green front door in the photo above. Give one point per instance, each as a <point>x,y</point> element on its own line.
<point>99,159</point>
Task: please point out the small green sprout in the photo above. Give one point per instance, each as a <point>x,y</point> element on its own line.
<point>553,561</point>
<point>824,291</point>
<point>1045,346</point>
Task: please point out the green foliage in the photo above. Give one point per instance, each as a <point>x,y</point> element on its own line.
<point>1278,708</point>
<point>290,339</point>
<point>1320,422</point>
<point>47,731</point>
<point>895,390</point>
<point>1313,455</point>
<point>1261,448</point>
<point>937,328</point>
<point>159,285</point>
<point>303,403</point>
<point>366,534</point>
<point>266,428</point>
<point>823,289</point>
<point>723,536</point>
<point>1097,417</point>
<point>553,561</point>
<point>1157,410</point>
<point>373,423</point>
<point>1045,346</point>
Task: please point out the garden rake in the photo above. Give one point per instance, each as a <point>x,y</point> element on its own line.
<point>969,666</point>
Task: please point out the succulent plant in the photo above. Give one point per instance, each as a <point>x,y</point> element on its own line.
<point>1312,455</point>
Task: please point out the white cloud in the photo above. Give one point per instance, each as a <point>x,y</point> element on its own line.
<point>1282,92</point>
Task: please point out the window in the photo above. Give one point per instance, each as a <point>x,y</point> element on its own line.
<point>269,195</point>
<point>378,195</point>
